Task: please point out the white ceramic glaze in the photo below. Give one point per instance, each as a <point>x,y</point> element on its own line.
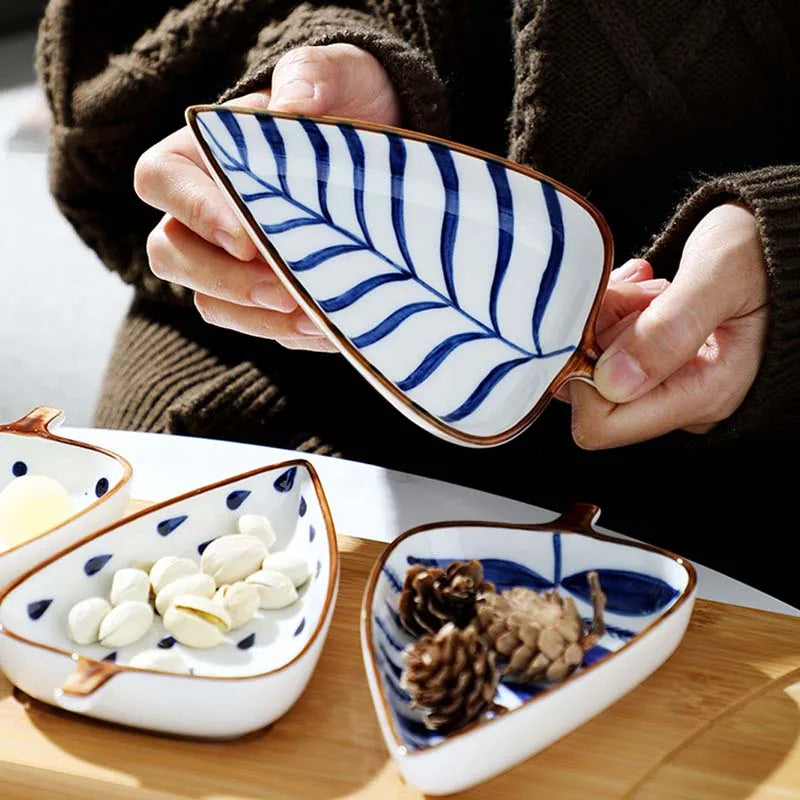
<point>97,480</point>
<point>243,684</point>
<point>650,598</point>
<point>461,286</point>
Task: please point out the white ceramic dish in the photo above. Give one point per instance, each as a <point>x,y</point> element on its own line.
<point>243,684</point>
<point>97,480</point>
<point>650,598</point>
<point>462,286</point>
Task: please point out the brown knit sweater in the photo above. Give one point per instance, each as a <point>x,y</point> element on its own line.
<point>644,105</point>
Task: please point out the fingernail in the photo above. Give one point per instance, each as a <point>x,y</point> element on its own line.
<point>295,91</point>
<point>619,376</point>
<point>305,325</point>
<point>626,271</point>
<point>229,243</point>
<point>272,296</point>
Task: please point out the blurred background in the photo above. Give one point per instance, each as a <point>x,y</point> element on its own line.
<point>59,307</point>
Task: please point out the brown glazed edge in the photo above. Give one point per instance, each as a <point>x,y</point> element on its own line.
<point>37,423</point>
<point>85,662</point>
<point>586,351</point>
<point>578,519</point>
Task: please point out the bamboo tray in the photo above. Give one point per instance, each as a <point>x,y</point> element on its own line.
<point>721,719</point>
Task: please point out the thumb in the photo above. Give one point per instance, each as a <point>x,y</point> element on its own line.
<point>666,335</point>
<point>337,80</point>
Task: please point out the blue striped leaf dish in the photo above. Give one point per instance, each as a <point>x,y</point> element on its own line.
<point>650,595</point>
<point>462,286</point>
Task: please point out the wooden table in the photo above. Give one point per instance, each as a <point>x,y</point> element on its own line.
<point>720,720</point>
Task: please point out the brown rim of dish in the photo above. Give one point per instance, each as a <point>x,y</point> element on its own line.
<point>578,520</point>
<point>578,365</point>
<point>37,423</point>
<point>108,669</point>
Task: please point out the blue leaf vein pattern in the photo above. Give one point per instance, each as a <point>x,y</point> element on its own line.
<point>361,240</point>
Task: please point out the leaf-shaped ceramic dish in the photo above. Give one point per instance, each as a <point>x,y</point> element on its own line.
<point>243,684</point>
<point>462,286</point>
<point>650,597</point>
<point>97,480</point>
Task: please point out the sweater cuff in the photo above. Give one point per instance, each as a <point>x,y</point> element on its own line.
<point>773,194</point>
<point>421,90</point>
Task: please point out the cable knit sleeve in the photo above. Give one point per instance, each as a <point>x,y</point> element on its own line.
<point>118,79</point>
<point>772,407</point>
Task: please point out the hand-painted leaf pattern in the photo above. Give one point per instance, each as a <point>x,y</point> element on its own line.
<point>628,593</point>
<point>463,283</point>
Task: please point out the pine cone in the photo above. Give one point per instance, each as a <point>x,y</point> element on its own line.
<point>452,675</point>
<point>432,596</point>
<point>539,636</point>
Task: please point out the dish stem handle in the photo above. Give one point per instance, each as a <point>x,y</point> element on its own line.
<point>77,693</point>
<point>42,420</point>
<point>581,367</point>
<point>579,517</point>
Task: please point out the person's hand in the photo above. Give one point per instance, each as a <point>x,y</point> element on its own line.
<point>200,244</point>
<point>680,355</point>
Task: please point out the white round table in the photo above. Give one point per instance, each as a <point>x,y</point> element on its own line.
<point>366,501</point>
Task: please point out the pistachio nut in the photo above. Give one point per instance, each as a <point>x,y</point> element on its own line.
<point>170,568</point>
<point>232,558</point>
<point>129,584</point>
<point>240,599</point>
<point>259,526</point>
<point>160,660</point>
<point>125,623</point>
<point>84,618</point>
<point>199,584</point>
<point>274,588</point>
<point>294,567</point>
<point>197,621</point>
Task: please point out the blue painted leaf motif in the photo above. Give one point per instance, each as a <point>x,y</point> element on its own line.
<point>38,607</point>
<point>312,532</point>
<point>461,283</point>
<point>503,574</point>
<point>301,511</point>
<point>101,487</point>
<point>595,654</point>
<point>631,594</point>
<point>235,499</point>
<point>165,527</point>
<point>166,642</point>
<point>299,629</point>
<point>318,569</point>
<point>111,656</point>
<point>96,563</point>
<point>247,642</point>
<point>285,482</point>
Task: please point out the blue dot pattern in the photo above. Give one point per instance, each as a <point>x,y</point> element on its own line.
<point>165,527</point>
<point>235,499</point>
<point>101,487</point>
<point>285,482</point>
<point>19,469</point>
<point>96,563</point>
<point>166,642</point>
<point>38,607</point>
<point>202,546</point>
<point>247,642</point>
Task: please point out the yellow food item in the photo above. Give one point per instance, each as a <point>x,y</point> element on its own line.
<point>31,505</point>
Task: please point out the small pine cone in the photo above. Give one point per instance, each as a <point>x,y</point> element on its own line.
<point>432,596</point>
<point>452,675</point>
<point>540,636</point>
